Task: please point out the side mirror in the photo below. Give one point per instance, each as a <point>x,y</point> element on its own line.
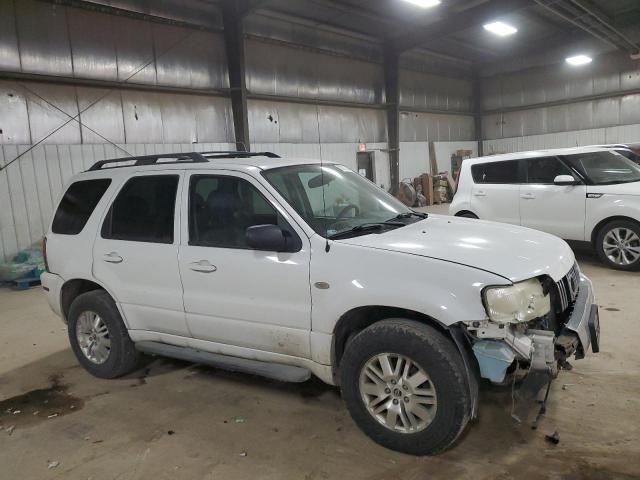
<point>565,180</point>
<point>271,238</point>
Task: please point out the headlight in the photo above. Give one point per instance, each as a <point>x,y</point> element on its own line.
<point>520,302</point>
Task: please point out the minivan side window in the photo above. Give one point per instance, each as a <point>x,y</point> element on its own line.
<point>496,172</point>
<point>221,208</point>
<point>544,170</point>
<point>144,210</point>
<point>77,205</point>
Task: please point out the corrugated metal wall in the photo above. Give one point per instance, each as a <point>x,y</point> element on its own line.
<point>30,187</point>
<point>576,138</point>
<point>319,99</point>
<point>580,98</point>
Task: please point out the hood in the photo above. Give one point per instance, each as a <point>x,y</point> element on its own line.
<point>513,252</point>
<point>632,188</point>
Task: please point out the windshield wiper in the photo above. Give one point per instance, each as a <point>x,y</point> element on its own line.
<point>412,214</point>
<point>366,227</point>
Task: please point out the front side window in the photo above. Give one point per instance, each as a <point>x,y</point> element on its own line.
<point>544,170</point>
<point>496,172</point>
<point>334,200</point>
<point>77,205</point>
<point>144,210</point>
<point>221,208</point>
<point>604,168</point>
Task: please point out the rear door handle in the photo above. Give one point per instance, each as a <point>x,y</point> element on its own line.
<point>203,266</point>
<point>480,193</point>
<point>527,196</point>
<point>112,257</point>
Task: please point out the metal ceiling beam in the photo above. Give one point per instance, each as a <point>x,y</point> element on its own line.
<point>588,17</point>
<point>458,21</point>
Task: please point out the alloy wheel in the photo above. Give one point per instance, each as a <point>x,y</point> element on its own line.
<point>621,246</point>
<point>93,337</point>
<point>398,393</point>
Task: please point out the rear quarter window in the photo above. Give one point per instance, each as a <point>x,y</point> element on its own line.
<point>77,205</point>
<point>496,172</point>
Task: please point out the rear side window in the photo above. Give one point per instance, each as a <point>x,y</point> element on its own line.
<point>144,210</point>
<point>496,172</point>
<point>77,205</point>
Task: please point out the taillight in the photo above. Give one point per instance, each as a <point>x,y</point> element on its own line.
<point>44,253</point>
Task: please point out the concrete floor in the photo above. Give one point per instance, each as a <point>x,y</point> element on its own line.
<point>175,420</point>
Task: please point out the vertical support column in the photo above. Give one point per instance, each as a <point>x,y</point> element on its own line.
<point>392,97</point>
<point>477,113</point>
<point>232,13</point>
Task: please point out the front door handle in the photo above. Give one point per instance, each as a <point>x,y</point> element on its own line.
<point>203,266</point>
<point>527,196</point>
<point>480,193</point>
<point>112,257</point>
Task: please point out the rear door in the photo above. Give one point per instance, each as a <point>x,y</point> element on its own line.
<point>555,209</point>
<point>135,254</point>
<point>496,186</point>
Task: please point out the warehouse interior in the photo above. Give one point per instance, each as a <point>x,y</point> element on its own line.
<point>401,85</point>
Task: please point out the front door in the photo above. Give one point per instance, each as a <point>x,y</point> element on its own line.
<point>555,209</point>
<point>136,253</point>
<point>234,295</point>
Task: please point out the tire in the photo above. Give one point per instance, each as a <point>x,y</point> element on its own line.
<point>122,356</point>
<point>467,215</point>
<point>437,356</point>
<point>607,236</point>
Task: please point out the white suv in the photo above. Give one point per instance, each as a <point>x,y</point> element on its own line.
<point>587,194</point>
<point>288,268</point>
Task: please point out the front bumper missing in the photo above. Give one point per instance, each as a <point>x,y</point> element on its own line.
<point>498,347</point>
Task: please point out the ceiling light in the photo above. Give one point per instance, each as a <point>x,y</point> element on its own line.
<point>500,28</point>
<point>424,3</point>
<point>578,60</point>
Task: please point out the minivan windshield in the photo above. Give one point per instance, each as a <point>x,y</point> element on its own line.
<point>605,168</point>
<point>337,202</point>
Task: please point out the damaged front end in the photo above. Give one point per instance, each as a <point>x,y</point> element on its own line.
<point>533,328</point>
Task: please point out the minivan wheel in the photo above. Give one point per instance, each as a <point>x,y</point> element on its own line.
<point>99,338</point>
<point>404,385</point>
<point>618,245</point>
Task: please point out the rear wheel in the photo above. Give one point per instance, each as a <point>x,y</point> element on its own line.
<point>99,338</point>
<point>618,245</point>
<point>404,384</point>
<point>467,215</point>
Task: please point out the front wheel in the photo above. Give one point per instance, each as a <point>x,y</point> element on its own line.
<point>618,245</point>
<point>404,385</point>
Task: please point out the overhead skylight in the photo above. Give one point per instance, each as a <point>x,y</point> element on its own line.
<point>500,28</point>
<point>424,3</point>
<point>578,60</point>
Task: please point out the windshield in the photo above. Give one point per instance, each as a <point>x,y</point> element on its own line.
<point>333,199</point>
<point>605,168</point>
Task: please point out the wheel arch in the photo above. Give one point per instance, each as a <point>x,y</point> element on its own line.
<point>72,289</point>
<point>602,223</point>
<point>357,319</point>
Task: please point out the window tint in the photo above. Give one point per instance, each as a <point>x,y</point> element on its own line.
<point>222,208</point>
<point>496,172</point>
<point>77,205</point>
<point>545,169</point>
<point>144,210</point>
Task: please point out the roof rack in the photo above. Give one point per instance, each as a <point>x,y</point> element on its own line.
<point>189,157</point>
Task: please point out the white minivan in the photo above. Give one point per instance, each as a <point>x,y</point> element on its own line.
<point>587,194</point>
